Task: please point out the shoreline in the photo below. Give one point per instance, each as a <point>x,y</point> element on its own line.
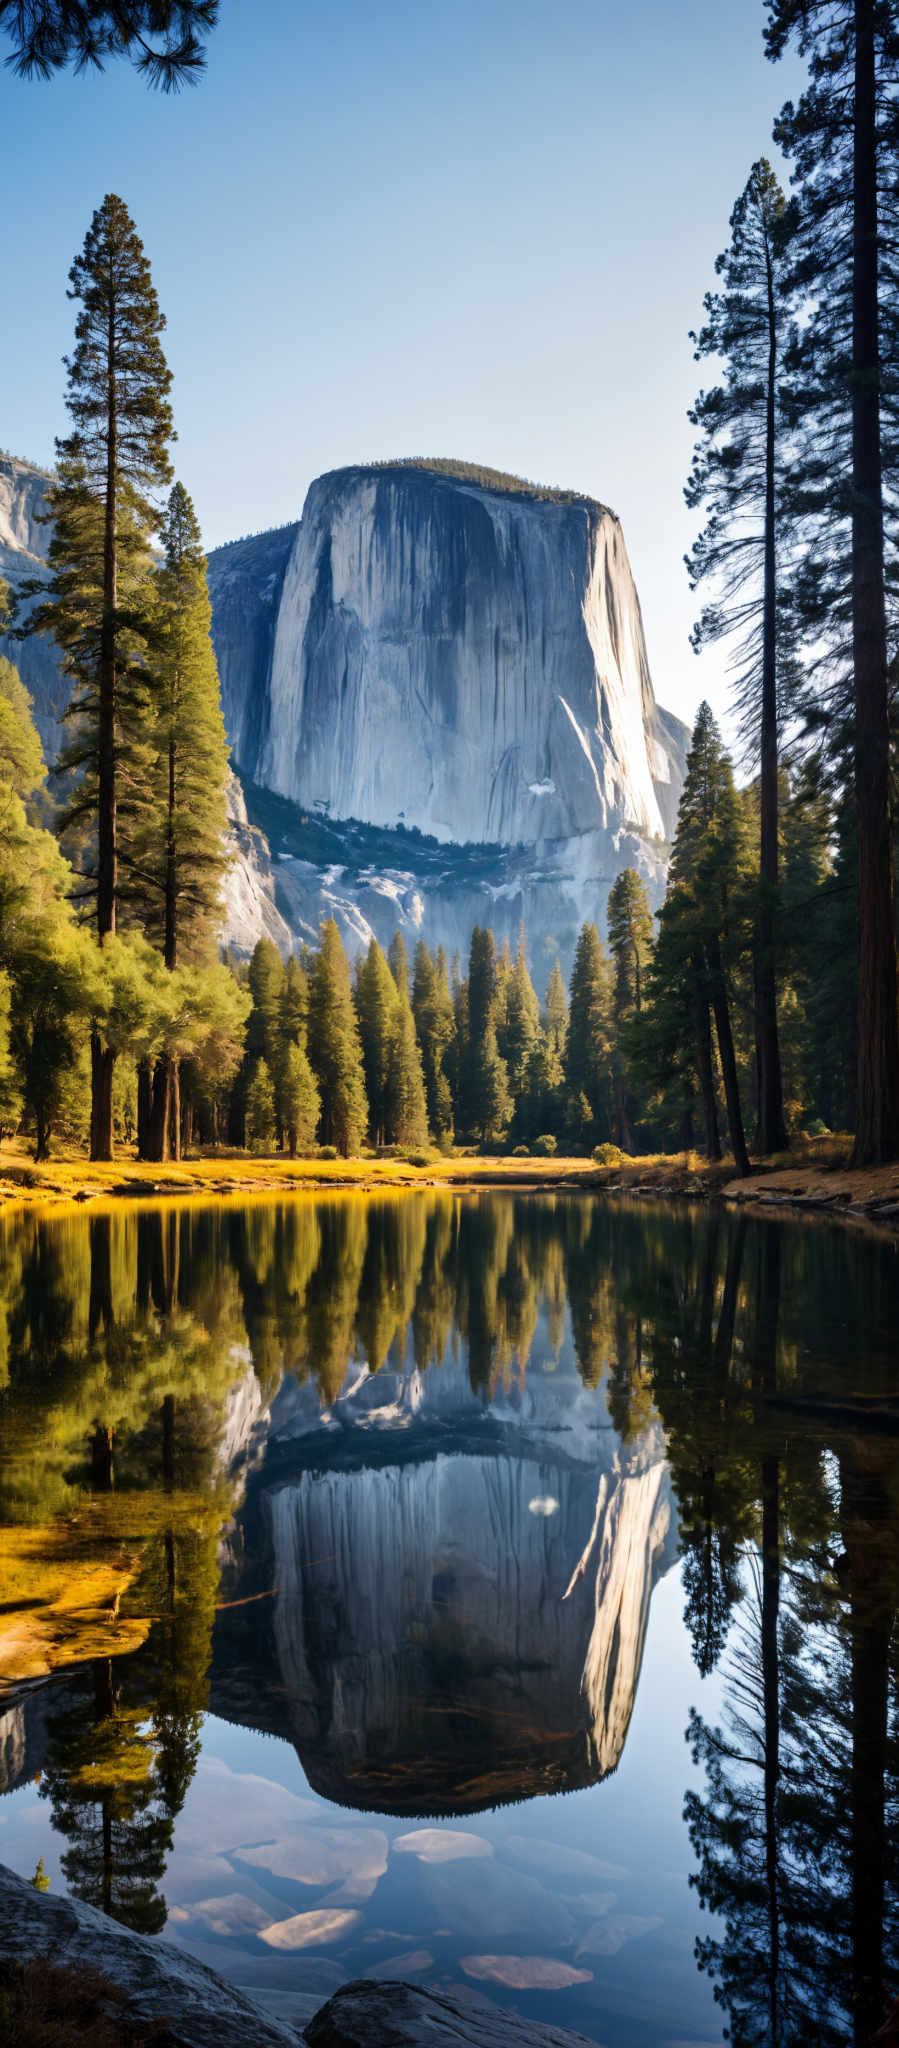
<point>815,1181</point>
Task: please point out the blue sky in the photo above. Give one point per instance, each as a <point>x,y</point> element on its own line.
<point>480,230</point>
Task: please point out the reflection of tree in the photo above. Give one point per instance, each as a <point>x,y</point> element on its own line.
<point>792,1833</point>
<point>103,1785</point>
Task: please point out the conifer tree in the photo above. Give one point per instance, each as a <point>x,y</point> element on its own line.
<point>521,1020</point>
<point>180,860</point>
<point>629,923</point>
<point>739,477</point>
<point>109,466</point>
<point>491,1103</point>
<point>165,40</point>
<point>299,1103</point>
<point>434,1023</point>
<point>588,1047</point>
<point>335,1054</point>
<point>842,134</point>
<point>267,982</point>
<point>260,1109</point>
<point>555,1010</point>
<point>406,1104</point>
<point>706,882</point>
<point>377,1003</point>
<point>173,871</point>
<point>481,981</point>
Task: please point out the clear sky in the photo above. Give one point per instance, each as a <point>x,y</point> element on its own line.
<point>479,229</point>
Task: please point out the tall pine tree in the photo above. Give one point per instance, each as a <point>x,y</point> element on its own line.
<point>739,478</point>
<point>843,134</point>
<point>109,468</point>
<point>335,1054</point>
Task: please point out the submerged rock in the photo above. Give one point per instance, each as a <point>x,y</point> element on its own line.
<point>182,2004</point>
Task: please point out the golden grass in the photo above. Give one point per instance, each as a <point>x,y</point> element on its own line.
<point>73,1178</point>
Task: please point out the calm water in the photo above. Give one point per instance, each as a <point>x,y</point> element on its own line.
<point>493,1591</point>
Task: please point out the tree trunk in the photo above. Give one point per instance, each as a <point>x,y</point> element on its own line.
<point>144,1109</point>
<point>170,947</point>
<point>102,1065</point>
<point>704,1063</point>
<point>877,1114</point>
<point>174,1067</point>
<point>160,1112</point>
<point>772,1131</point>
<point>728,1059</point>
<point>107,876</point>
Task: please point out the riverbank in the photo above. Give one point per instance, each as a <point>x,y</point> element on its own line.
<point>814,1177</point>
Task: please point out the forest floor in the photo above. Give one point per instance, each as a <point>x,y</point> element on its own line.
<point>814,1176</point>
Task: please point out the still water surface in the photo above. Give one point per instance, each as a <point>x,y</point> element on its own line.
<point>494,1591</point>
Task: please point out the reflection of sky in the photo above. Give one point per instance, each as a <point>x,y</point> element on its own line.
<point>575,1908</point>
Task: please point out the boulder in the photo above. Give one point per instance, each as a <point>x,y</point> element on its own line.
<point>370,2015</point>
<point>161,1983</point>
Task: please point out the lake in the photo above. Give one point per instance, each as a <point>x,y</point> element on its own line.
<point>492,1590</point>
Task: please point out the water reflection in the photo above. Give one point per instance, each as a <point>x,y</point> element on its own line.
<point>394,1480</point>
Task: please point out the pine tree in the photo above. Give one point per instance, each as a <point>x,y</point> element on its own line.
<point>588,1048</point>
<point>435,1025</point>
<point>842,134</point>
<point>707,880</point>
<point>481,981</point>
<point>108,467</point>
<point>180,860</point>
<point>491,1103</point>
<point>406,1104</point>
<point>377,1004</point>
<point>629,923</point>
<point>260,1109</point>
<point>739,477</point>
<point>173,872</point>
<point>50,977</point>
<point>335,1054</point>
<point>555,1010</point>
<point>165,40</point>
<point>521,1020</point>
<point>299,1102</point>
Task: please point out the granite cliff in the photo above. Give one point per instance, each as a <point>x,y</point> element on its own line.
<point>438,697</point>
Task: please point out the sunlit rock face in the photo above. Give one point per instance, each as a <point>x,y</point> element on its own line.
<point>463,1589</point>
<point>461,660</point>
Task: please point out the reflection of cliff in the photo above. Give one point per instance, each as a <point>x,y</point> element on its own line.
<point>431,1660</point>
<point>462,1593</point>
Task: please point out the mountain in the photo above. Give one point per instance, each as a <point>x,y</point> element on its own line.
<point>438,697</point>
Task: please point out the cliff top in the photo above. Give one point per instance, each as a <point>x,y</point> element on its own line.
<point>481,476</point>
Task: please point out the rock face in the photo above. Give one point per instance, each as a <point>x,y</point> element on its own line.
<point>446,686</point>
<point>462,660</point>
<point>428,656</point>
